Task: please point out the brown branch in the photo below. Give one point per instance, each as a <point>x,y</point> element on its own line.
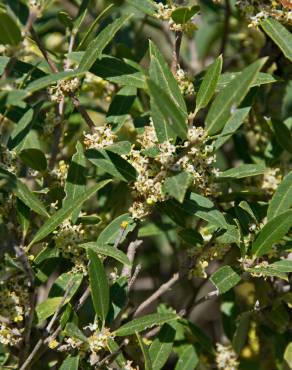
<point>226,26</point>
<point>82,111</point>
<point>110,358</point>
<point>131,255</point>
<point>176,51</point>
<point>159,292</point>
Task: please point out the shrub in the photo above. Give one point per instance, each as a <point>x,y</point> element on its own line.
<point>146,185</point>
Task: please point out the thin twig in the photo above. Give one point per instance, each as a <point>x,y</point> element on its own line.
<point>134,277</point>
<point>131,255</point>
<point>176,51</point>
<point>82,111</point>
<point>161,290</point>
<point>109,358</point>
<point>210,295</point>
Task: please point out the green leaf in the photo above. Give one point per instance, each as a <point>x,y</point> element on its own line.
<point>191,236</point>
<point>72,330</point>
<point>121,147</point>
<point>243,170</point>
<point>283,135</point>
<point>161,347</point>
<point>183,14</point>
<point>98,285</point>
<point>188,359</point>
<point>90,31</point>
<point>120,106</point>
<point>261,79</point>
<point>174,117</point>
<point>232,125</point>
<point>48,307</point>
<point>96,46</point>
<point>107,250</point>
<point>145,322</point>
<point>62,214</point>
<point>279,34</point>
<point>282,198</point>
<point>230,97</point>
<point>51,79</point>
<point>241,332</point>
<point>224,279</point>
<point>23,193</point>
<point>112,163</point>
<point>208,86</point>
<point>272,233</point>
<point>267,271</point>
<point>10,33</point>
<point>282,265</point>
<point>34,158</point>
<point>146,6</point>
<point>65,19</point>
<point>113,348</point>
<point>176,186</point>
<point>144,348</point>
<point>21,130</point>
<point>70,363</point>
<point>3,63</point>
<point>163,77</point>
<point>76,180</point>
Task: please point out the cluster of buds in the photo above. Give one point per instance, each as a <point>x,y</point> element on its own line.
<point>257,10</point>
<point>67,239</point>
<point>185,85</point>
<point>63,88</point>
<point>270,180</point>
<point>7,159</point>
<point>51,121</point>
<point>164,13</point>
<point>194,157</point>
<point>98,87</point>
<point>14,297</point>
<point>226,358</point>
<point>60,173</point>
<point>203,257</point>
<point>9,336</point>
<point>99,339</point>
<point>101,137</point>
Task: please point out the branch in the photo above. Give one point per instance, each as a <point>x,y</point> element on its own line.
<point>161,290</point>
<point>226,26</point>
<point>176,51</point>
<point>109,358</point>
<point>131,255</point>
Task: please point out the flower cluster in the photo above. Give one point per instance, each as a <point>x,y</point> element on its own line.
<point>101,137</point>
<point>7,159</point>
<point>9,336</point>
<point>51,121</point>
<point>67,239</point>
<point>98,87</point>
<point>226,358</point>
<point>63,88</point>
<point>99,339</point>
<point>60,173</point>
<point>257,10</point>
<point>185,85</point>
<point>164,13</point>
<point>194,156</point>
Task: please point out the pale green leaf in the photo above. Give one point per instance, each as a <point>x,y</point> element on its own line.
<point>96,46</point>
<point>272,233</point>
<point>282,198</point>
<point>145,351</point>
<point>177,185</point>
<point>208,86</point>
<point>145,322</point>
<point>244,170</point>
<point>98,285</point>
<point>70,363</point>
<point>230,97</point>
<point>279,34</point>
<point>65,212</point>
<point>224,279</point>
<point>188,359</point>
<point>107,250</point>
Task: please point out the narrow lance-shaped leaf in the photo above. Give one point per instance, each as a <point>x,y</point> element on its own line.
<point>98,285</point>
<point>224,279</point>
<point>244,170</point>
<point>107,250</point>
<point>208,86</point>
<point>144,349</point>
<point>96,46</point>
<point>230,97</point>
<point>161,347</point>
<point>10,33</point>
<point>62,214</point>
<point>146,6</point>
<point>279,34</point>
<point>188,359</point>
<point>174,117</point>
<point>138,325</point>
<point>70,363</point>
<point>271,233</point>
<point>282,198</point>
<point>76,179</point>
<point>177,185</point>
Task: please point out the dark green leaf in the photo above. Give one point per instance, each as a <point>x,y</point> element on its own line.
<point>161,347</point>
<point>224,279</point>
<point>107,250</point>
<point>176,186</point>
<point>188,359</point>
<point>10,33</point>
<point>34,158</point>
<point>183,14</point>
<point>282,198</point>
<point>70,363</point>
<point>144,348</point>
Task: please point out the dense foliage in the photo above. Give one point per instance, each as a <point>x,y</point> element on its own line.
<point>145,184</point>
